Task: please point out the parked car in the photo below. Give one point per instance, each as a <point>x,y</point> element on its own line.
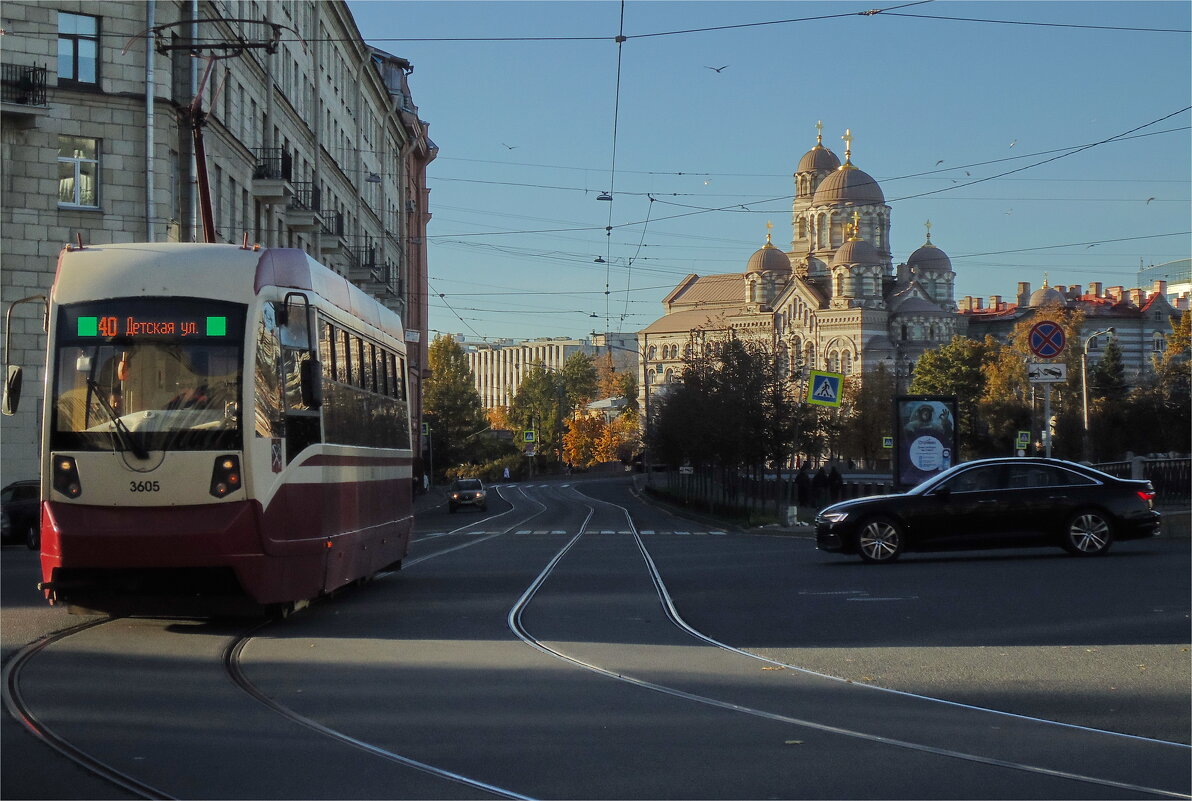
<point>994,503</point>
<point>467,492</point>
<point>21,504</point>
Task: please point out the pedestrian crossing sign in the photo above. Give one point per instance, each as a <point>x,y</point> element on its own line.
<point>824,389</point>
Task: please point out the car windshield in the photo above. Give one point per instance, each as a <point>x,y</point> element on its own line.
<point>938,479</point>
<point>468,484</point>
<point>153,375</point>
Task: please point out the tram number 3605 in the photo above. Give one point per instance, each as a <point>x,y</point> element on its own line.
<point>144,486</point>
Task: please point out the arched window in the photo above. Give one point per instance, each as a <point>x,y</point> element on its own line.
<point>834,362</point>
<point>839,285</point>
<point>652,353</point>
<point>846,362</point>
<point>810,356</point>
<point>670,376</point>
<point>904,331</point>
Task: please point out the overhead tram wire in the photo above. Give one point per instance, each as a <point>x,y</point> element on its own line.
<point>612,176</point>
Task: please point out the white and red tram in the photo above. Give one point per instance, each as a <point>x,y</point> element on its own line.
<point>225,428</point>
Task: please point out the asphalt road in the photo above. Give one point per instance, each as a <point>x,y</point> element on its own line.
<point>649,657</point>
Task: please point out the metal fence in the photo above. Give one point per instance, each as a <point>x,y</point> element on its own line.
<point>1171,478</point>
<point>761,496</point>
<point>23,85</point>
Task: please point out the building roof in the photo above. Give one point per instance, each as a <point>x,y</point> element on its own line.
<point>849,185</point>
<point>856,251</point>
<point>690,320</point>
<point>768,259</point>
<point>708,289</point>
<point>930,257</point>
<point>819,158</point>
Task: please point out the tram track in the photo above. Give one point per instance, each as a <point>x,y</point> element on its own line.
<point>233,653</point>
<point>514,621</point>
<point>22,712</point>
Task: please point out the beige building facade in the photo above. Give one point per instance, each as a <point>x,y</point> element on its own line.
<point>312,141</point>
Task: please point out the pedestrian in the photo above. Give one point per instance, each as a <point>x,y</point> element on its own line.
<point>819,489</point>
<point>803,486</point>
<point>835,484</point>
<point>506,473</point>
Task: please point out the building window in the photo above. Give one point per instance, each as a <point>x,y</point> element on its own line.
<point>1158,343</point>
<point>78,49</point>
<point>78,172</point>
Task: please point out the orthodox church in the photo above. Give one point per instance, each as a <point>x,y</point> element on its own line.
<point>832,301</point>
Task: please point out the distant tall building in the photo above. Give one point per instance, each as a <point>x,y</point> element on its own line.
<point>834,300</point>
<point>498,369</point>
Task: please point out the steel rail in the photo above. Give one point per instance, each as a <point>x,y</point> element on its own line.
<point>14,700</point>
<point>514,617</point>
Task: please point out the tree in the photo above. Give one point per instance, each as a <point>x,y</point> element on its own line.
<point>541,405</point>
<point>582,440</point>
<point>1158,418</point>
<point>451,403</point>
<point>580,380</point>
<point>960,368</point>
<point>867,414</point>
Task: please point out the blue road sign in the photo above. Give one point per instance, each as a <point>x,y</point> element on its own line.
<point>824,389</point>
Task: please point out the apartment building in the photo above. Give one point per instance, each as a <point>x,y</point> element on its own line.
<point>311,138</point>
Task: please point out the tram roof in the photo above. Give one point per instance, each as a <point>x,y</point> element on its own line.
<point>218,271</point>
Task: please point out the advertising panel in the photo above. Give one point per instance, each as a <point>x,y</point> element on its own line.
<point>924,437</point>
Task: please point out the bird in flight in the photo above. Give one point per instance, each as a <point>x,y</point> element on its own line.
<point>718,69</point>
<point>938,163</point>
<point>1014,143</point>
<point>509,147</point>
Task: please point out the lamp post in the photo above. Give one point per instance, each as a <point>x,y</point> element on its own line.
<point>1084,387</point>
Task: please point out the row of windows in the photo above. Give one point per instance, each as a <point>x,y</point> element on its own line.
<point>351,359</point>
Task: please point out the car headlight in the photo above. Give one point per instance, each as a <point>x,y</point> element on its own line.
<point>834,517</point>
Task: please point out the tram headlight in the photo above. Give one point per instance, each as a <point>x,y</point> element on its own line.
<point>225,476</point>
<point>66,477</point>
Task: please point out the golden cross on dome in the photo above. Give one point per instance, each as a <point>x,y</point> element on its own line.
<point>819,132</point>
<point>856,225</point>
<point>769,227</point>
<point>928,226</point>
<point>848,144</point>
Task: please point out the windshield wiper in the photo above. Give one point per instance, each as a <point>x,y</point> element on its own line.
<point>122,432</point>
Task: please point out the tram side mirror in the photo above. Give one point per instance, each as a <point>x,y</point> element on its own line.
<point>12,390</point>
<point>311,375</point>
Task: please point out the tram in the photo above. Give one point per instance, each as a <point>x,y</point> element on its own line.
<point>226,430</point>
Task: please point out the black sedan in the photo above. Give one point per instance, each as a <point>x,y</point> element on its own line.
<point>994,503</point>
<point>21,504</point>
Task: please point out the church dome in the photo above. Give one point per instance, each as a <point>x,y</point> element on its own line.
<point>856,251</point>
<point>929,257</point>
<point>768,259</point>
<point>1046,296</point>
<point>818,159</point>
<point>849,185</point>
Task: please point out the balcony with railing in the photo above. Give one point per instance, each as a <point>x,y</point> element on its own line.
<point>23,91</point>
<point>331,233</point>
<point>302,211</point>
<point>272,175</point>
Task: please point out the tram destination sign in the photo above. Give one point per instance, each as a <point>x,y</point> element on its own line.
<point>159,319</point>
<point>129,326</point>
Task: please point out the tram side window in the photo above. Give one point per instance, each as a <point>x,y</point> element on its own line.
<point>343,358</point>
<point>269,421</point>
<point>327,350</point>
<point>401,379</point>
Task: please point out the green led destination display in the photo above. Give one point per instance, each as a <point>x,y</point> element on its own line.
<point>152,318</point>
<point>112,326</point>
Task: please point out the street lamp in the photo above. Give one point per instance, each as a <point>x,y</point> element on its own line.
<point>1084,386</point>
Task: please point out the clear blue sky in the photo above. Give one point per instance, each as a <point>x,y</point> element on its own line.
<point>937,95</point>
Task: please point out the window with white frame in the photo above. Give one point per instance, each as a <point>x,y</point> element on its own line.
<point>78,49</point>
<point>78,172</point>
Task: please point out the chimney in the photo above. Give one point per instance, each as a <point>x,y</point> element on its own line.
<point>966,304</point>
<point>1024,293</point>
<point>1159,288</point>
<point>1076,291</point>
<point>1095,288</point>
<point>1137,297</point>
<point>995,302</point>
<point>1114,293</point>
<point>978,303</point>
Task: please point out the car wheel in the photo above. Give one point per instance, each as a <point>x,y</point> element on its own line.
<point>1089,533</point>
<point>32,537</point>
<point>880,540</point>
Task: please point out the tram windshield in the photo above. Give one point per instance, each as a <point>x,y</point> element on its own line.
<point>148,374</point>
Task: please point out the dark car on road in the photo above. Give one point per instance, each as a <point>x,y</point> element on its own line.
<point>21,504</point>
<point>994,503</point>
<point>467,492</point>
